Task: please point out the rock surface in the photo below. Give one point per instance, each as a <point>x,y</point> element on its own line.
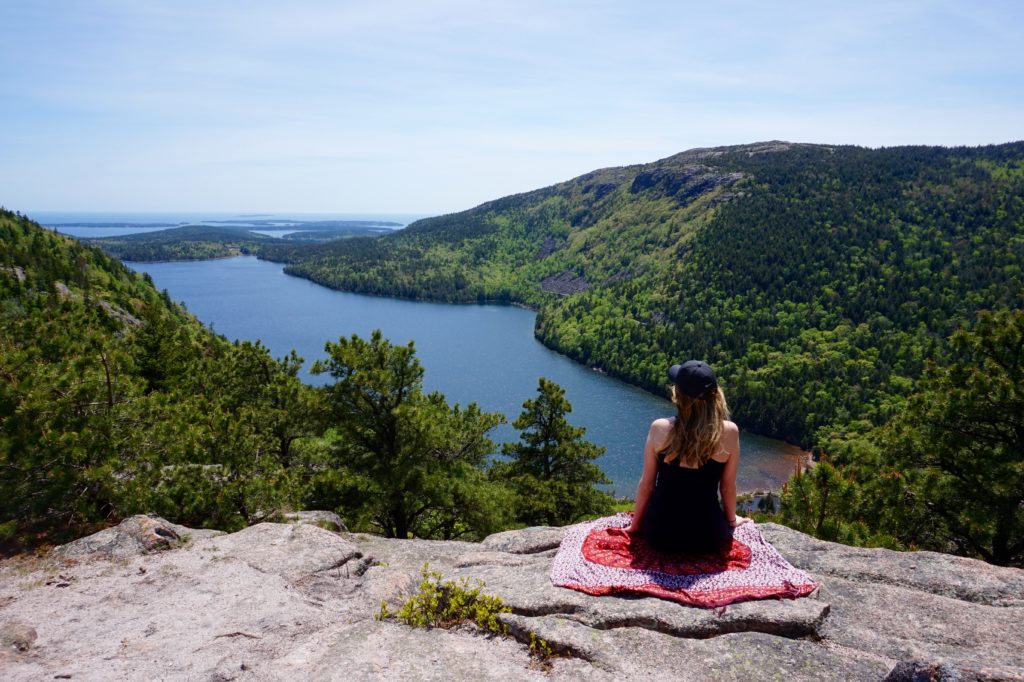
<point>296,601</point>
<point>565,283</point>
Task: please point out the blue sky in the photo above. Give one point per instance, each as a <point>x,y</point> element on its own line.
<point>431,107</point>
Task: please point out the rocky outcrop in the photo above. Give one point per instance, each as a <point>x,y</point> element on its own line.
<point>15,271</point>
<point>548,247</point>
<point>136,535</point>
<point>565,283</point>
<point>283,602</point>
<point>121,316</point>
<point>685,184</point>
<point>700,153</point>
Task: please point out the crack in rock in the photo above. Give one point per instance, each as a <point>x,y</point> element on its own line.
<point>807,627</point>
<point>362,565</point>
<point>521,629</point>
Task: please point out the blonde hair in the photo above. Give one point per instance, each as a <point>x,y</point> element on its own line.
<point>697,431</point>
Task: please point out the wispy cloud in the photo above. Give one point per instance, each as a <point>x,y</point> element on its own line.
<point>397,105</point>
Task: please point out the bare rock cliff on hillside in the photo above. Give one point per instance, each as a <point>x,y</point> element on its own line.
<point>150,600</point>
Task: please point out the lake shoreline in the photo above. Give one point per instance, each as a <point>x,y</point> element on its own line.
<point>512,304</point>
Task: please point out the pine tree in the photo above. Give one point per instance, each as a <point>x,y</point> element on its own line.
<point>411,462</point>
<point>552,468</point>
<point>945,474</point>
<point>965,431</point>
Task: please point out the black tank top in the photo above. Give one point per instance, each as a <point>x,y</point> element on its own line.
<point>684,514</point>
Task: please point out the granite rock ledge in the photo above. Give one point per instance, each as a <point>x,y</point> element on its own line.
<point>150,600</point>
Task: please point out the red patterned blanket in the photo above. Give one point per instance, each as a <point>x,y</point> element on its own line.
<point>593,560</point>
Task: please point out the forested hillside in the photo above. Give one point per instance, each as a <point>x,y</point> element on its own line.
<point>816,279</point>
<point>114,400</point>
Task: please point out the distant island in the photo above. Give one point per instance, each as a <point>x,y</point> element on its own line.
<point>223,238</point>
<point>103,225</point>
<point>263,222</point>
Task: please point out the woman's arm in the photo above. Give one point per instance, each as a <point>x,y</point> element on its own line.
<point>657,437</point>
<point>727,486</point>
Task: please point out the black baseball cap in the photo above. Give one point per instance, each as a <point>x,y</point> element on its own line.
<point>693,377</point>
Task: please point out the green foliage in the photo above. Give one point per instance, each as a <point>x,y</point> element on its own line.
<point>551,468</point>
<point>947,473</point>
<point>449,603</point>
<point>818,502</point>
<point>820,293</point>
<point>445,604</point>
<point>413,464</point>
<point>964,433</point>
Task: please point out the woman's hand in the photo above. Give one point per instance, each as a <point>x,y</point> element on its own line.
<point>738,521</point>
<point>627,532</point>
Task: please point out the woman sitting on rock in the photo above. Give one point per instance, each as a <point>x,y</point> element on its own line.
<point>690,461</point>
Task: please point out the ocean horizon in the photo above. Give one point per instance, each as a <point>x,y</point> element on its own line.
<point>85,218</point>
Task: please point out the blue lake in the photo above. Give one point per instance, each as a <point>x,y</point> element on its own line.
<point>471,353</point>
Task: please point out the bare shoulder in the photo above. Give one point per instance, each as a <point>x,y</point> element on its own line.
<point>663,424</point>
<point>658,436</point>
<point>730,442</point>
<point>661,427</point>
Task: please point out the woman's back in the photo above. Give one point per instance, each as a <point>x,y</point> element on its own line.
<point>684,512</point>
<point>698,484</point>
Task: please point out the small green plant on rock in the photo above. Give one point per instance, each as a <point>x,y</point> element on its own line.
<point>447,604</point>
<point>539,648</point>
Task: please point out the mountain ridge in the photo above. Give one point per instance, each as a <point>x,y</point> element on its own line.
<point>742,255</point>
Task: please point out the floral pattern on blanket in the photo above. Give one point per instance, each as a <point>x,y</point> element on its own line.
<point>596,558</point>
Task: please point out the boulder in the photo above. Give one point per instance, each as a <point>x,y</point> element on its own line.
<point>136,535</point>
<point>16,635</point>
<point>525,541</point>
<point>291,551</point>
